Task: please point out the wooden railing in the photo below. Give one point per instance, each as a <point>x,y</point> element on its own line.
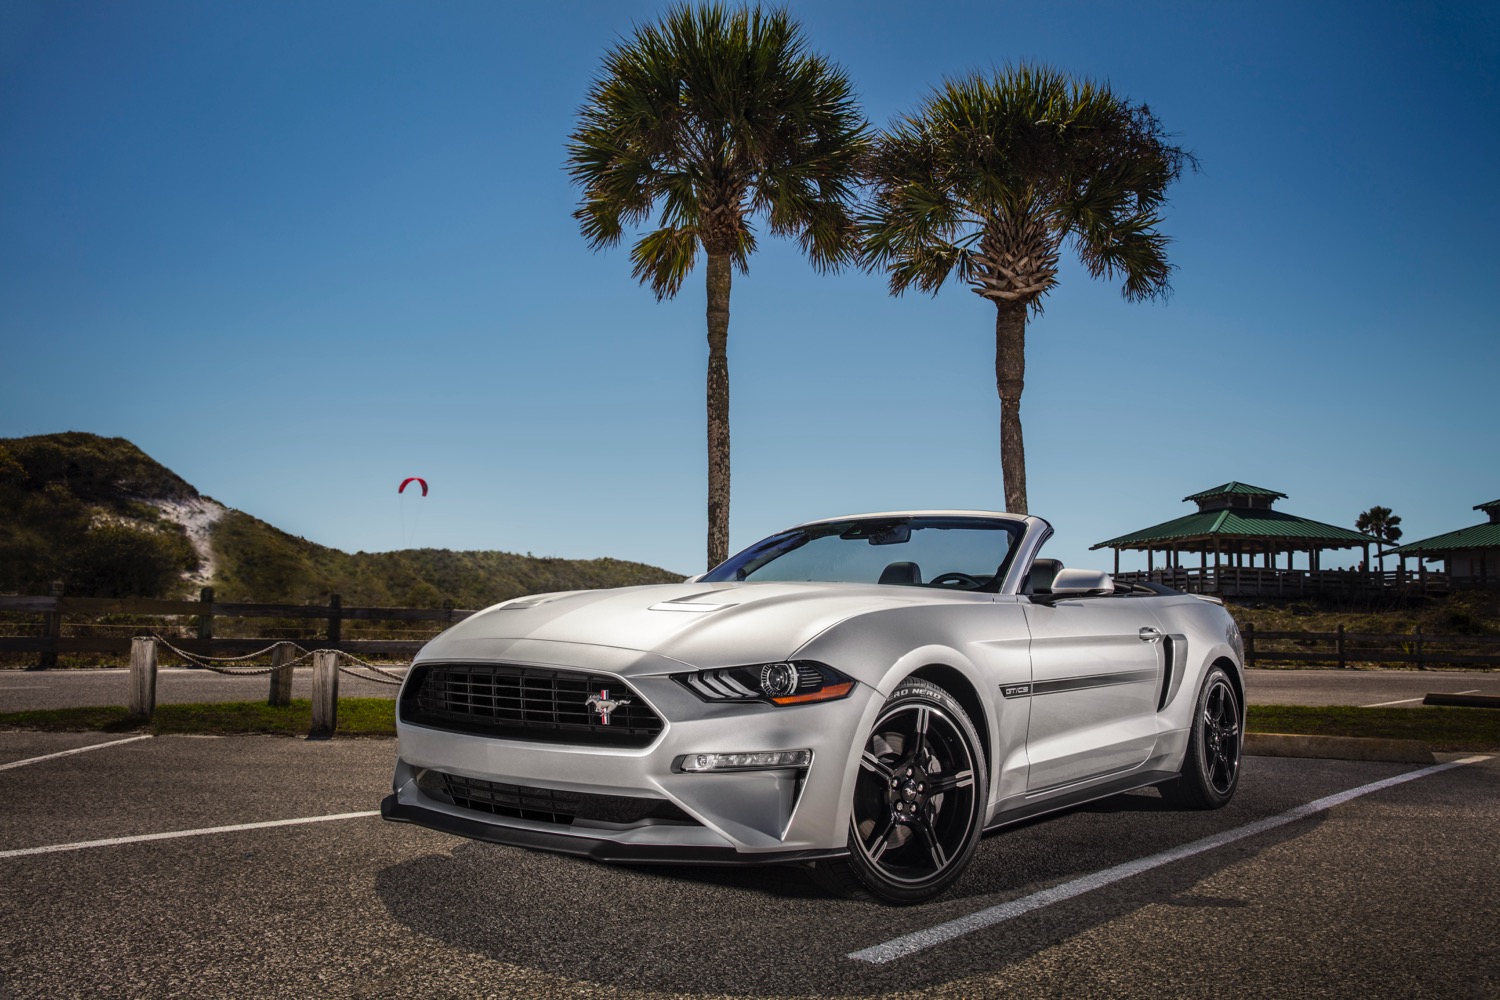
<point>1344,649</point>
<point>78,624</point>
<point>64,627</point>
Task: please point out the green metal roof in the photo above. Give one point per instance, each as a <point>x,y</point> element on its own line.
<point>1242,523</point>
<point>1481,536</point>
<point>1487,506</point>
<point>1237,489</point>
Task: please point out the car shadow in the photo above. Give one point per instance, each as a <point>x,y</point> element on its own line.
<point>758,931</point>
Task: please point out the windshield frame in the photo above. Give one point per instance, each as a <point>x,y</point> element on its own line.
<point>737,567</point>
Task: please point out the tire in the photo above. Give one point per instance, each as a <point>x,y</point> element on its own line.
<point>1211,768</point>
<point>919,801</point>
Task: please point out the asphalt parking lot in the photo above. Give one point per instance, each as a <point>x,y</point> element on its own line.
<point>1391,893</point>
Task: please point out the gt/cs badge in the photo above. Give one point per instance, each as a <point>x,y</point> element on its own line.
<point>604,705</point>
<point>1015,690</point>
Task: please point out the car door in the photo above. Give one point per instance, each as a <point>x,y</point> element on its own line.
<point>1096,667</point>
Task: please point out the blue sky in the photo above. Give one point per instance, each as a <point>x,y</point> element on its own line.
<point>299,251</point>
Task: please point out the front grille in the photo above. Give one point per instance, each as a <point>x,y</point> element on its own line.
<point>526,703</point>
<point>549,805</point>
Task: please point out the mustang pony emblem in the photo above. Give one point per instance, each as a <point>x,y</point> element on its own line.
<point>603,704</point>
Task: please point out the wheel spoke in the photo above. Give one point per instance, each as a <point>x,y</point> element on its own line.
<point>870,762</point>
<point>948,782</point>
<point>877,844</point>
<point>929,839</point>
<point>919,734</point>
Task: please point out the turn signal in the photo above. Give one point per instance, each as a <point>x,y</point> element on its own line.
<point>761,761</point>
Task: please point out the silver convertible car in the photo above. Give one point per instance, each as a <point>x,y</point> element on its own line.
<point>865,696</point>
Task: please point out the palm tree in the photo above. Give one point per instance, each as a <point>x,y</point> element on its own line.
<point>991,176</point>
<point>1380,523</point>
<point>718,115</point>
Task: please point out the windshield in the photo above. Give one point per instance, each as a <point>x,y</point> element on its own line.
<point>952,553</point>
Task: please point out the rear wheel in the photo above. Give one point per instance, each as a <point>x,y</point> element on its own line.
<point>1211,769</point>
<point>919,800</point>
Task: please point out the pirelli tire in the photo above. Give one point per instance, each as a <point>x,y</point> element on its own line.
<point>1211,767</point>
<point>918,804</point>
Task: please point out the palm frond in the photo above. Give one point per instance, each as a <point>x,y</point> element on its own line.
<point>662,259</point>
<point>710,117</point>
<point>992,174</point>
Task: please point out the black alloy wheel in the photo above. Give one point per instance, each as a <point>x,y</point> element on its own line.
<point>919,800</point>
<point>1211,769</point>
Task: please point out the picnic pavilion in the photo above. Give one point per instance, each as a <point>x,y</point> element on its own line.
<point>1470,555</point>
<point>1238,544</point>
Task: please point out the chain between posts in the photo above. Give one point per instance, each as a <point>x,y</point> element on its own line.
<point>365,677</point>
<point>207,662</point>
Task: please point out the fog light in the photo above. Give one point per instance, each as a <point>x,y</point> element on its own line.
<point>762,761</point>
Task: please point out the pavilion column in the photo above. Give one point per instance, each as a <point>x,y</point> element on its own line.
<point>1117,560</point>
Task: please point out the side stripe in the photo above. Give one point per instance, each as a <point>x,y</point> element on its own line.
<point>1084,683</point>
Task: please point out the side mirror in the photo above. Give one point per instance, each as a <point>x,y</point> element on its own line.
<point>1079,582</point>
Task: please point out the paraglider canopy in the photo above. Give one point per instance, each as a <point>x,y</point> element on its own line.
<point>412,479</point>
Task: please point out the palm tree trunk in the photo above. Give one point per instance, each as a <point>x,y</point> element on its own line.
<point>1010,380</point>
<point>718,408</point>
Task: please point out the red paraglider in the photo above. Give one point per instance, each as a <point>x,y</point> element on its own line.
<point>412,479</point>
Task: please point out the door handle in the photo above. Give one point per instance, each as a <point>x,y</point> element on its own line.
<point>1149,634</point>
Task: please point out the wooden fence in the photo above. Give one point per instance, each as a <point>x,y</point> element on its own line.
<point>65,622</point>
<point>1343,649</point>
<point>76,625</point>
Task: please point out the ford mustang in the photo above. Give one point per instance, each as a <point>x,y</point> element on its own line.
<point>865,696</point>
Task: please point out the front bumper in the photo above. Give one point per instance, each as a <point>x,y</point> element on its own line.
<point>745,817</point>
<point>597,848</point>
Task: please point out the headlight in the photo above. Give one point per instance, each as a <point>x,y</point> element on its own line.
<point>782,683</point>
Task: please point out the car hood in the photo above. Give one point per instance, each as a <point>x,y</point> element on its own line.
<point>699,624</point>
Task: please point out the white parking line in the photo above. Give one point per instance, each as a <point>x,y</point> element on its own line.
<point>68,753</point>
<point>173,835</point>
<point>1404,701</point>
<point>921,940</point>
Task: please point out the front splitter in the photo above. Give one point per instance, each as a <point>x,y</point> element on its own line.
<point>598,849</point>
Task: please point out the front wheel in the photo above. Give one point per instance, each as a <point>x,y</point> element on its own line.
<point>1211,769</point>
<point>919,800</point>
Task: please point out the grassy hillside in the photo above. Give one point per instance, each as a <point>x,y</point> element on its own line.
<point>72,508</point>
<point>1463,612</point>
<point>86,510</point>
<point>259,562</point>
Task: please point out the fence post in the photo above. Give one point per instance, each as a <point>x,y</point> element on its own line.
<point>325,700</point>
<point>1249,635</point>
<point>281,675</point>
<point>142,679</point>
<point>206,619</point>
<point>1342,663</point>
<point>335,619</point>
<point>1420,665</point>
<point>51,629</point>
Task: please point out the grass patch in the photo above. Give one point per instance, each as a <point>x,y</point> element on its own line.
<point>1459,730</point>
<point>1441,728</point>
<point>357,717</point>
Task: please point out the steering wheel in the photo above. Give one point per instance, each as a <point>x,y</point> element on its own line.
<point>944,579</point>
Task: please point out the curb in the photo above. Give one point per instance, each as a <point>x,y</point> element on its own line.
<point>1463,700</point>
<point>1337,748</point>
